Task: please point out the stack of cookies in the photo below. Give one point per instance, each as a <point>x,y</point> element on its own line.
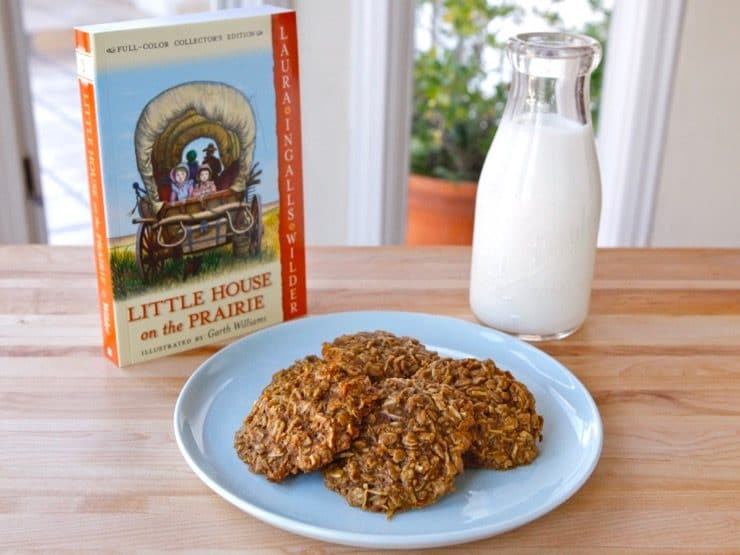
<point>390,423</point>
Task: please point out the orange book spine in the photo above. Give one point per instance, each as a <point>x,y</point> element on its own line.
<point>100,234</point>
<point>290,164</point>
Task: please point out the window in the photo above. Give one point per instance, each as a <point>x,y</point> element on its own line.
<point>56,101</point>
<point>461,79</point>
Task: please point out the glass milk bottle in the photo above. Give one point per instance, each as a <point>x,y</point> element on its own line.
<point>539,195</point>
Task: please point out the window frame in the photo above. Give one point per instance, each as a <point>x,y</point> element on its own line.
<point>644,39</point>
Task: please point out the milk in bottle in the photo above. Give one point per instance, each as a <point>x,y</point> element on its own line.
<point>539,195</point>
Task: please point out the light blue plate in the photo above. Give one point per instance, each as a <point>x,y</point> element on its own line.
<point>220,393</point>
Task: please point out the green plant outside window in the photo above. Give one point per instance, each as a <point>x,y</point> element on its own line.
<point>456,109</point>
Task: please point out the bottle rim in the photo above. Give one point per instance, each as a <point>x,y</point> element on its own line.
<point>554,45</point>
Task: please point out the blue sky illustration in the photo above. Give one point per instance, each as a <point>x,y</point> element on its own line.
<point>122,95</point>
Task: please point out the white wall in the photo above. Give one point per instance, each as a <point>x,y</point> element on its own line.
<point>698,200</point>
<point>324,56</point>
<point>21,214</point>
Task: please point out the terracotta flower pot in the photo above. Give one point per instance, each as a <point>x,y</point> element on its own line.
<point>440,212</point>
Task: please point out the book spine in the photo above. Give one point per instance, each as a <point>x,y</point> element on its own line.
<point>86,78</point>
<point>290,163</point>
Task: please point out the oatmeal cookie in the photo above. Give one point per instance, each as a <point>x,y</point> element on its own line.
<point>379,354</point>
<point>409,449</point>
<point>309,412</point>
<point>507,426</point>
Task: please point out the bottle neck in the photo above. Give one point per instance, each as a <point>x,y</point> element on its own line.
<point>566,96</point>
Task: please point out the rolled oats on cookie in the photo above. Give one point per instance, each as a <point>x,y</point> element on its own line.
<point>379,354</point>
<point>310,412</point>
<point>507,426</point>
<point>409,450</point>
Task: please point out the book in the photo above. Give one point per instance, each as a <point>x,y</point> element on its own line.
<point>193,152</point>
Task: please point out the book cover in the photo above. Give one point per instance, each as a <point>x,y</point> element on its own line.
<point>193,142</point>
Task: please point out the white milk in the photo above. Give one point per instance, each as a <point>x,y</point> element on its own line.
<point>536,221</point>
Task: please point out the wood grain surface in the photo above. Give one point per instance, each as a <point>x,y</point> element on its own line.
<point>88,459</point>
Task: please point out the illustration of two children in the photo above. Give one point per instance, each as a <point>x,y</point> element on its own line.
<point>183,187</point>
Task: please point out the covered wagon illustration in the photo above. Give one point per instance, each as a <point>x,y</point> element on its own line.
<point>229,212</point>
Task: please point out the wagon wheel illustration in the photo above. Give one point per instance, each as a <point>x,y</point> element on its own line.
<point>255,235</point>
<point>148,256</point>
<point>240,242</point>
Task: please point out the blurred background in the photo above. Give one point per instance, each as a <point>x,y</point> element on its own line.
<point>400,102</point>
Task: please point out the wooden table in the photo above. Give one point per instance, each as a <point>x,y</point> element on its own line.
<point>88,458</point>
